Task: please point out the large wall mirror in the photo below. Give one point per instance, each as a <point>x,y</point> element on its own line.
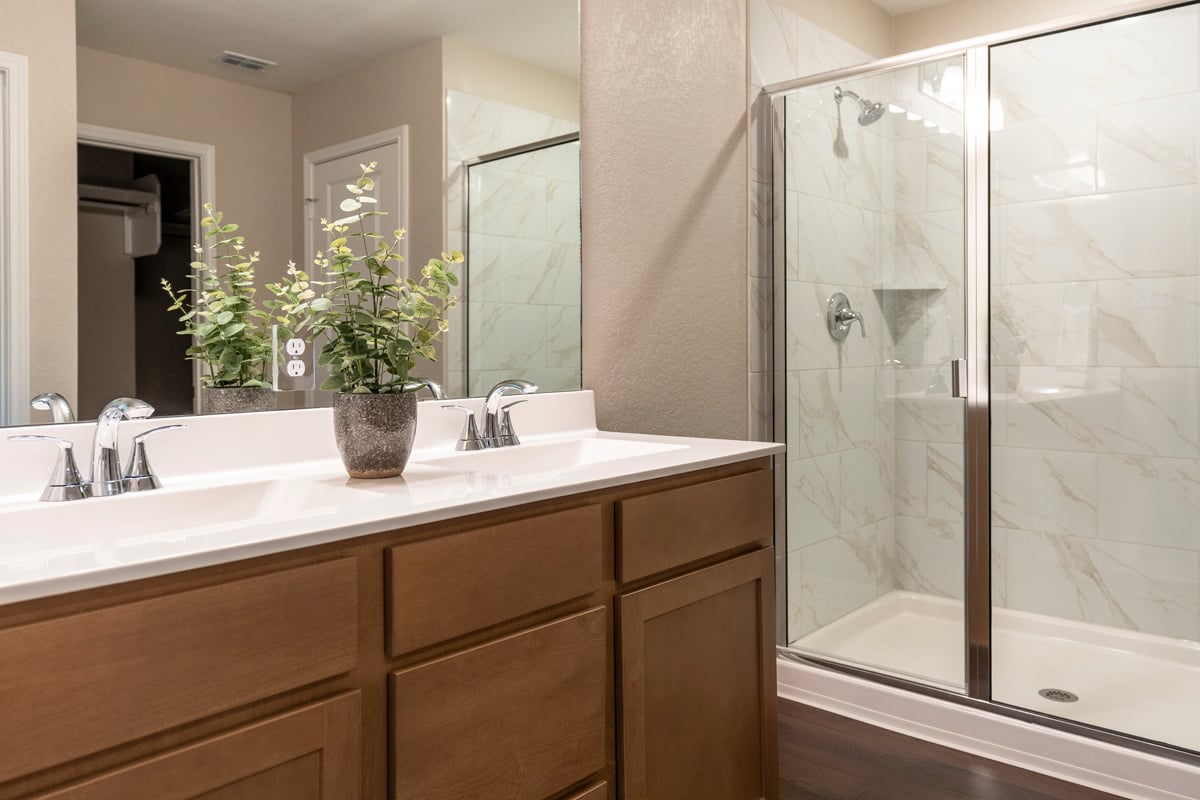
<point>470,107</point>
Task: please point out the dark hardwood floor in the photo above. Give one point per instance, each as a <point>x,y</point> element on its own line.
<point>825,756</point>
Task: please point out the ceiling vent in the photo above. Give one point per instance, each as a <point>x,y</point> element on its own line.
<point>245,62</point>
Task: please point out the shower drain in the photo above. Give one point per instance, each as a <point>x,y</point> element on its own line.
<point>1059,695</point>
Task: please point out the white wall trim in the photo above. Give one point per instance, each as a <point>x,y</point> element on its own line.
<point>204,181</point>
<point>397,136</point>
<point>1088,762</point>
<point>14,239</point>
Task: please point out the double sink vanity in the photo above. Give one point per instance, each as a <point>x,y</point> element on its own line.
<point>583,615</point>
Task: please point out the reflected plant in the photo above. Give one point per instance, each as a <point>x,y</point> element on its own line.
<point>231,335</point>
<point>377,321</point>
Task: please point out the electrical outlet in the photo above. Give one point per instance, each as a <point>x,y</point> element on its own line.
<point>294,363</point>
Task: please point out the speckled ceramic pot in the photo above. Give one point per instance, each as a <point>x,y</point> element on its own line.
<point>233,400</point>
<point>375,432</point>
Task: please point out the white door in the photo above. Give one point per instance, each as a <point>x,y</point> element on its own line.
<point>326,173</point>
<point>332,168</point>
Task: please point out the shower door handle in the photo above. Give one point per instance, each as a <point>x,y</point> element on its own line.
<point>958,378</point>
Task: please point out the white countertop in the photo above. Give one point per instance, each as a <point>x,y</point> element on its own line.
<point>247,485</point>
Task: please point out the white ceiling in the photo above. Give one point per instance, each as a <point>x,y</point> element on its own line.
<point>895,7</point>
<point>316,39</point>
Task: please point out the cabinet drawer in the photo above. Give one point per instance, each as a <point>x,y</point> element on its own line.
<point>312,753</point>
<point>521,718</point>
<point>597,792</point>
<point>86,682</point>
<point>667,529</point>
<point>445,587</point>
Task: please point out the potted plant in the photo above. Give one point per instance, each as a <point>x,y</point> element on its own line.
<point>377,323</point>
<point>231,335</point>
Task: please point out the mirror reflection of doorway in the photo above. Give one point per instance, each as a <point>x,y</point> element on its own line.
<point>135,229</point>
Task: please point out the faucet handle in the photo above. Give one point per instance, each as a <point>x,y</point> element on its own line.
<point>469,439</point>
<point>65,481</point>
<point>139,475</point>
<point>505,431</point>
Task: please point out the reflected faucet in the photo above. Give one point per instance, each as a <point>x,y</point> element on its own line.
<point>497,427</point>
<point>434,387</point>
<point>56,404</point>
<point>106,478</point>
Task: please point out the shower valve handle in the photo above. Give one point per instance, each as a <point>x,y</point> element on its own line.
<point>847,317</point>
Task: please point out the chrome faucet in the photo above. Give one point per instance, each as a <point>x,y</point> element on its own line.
<point>434,387</point>
<point>497,427</point>
<point>106,477</point>
<point>56,404</point>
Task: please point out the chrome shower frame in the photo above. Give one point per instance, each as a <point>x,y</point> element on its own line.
<point>977,521</point>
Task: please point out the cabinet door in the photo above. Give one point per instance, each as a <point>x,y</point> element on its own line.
<point>311,753</point>
<point>520,718</point>
<point>697,660</point>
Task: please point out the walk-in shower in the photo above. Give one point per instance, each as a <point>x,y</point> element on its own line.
<point>994,492</point>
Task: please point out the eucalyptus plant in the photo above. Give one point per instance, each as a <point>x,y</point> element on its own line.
<point>376,320</point>
<point>231,334</point>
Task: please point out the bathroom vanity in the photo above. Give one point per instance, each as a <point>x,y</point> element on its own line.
<point>596,622</point>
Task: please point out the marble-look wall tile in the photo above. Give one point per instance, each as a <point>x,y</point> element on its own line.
<point>930,556</point>
<point>1149,322</point>
<point>1047,324</point>
<point>837,243</point>
<point>1136,234</point>
<point>946,481</point>
<point>842,574</point>
<point>1044,490</point>
<point>1153,501</point>
<point>912,473</point>
<point>831,410</point>
<point>1154,55</point>
<point>814,509</point>
<point>761,293</point>
<point>1149,143</point>
<point>1044,157</point>
<point>866,484</point>
<point>944,166</point>
<point>1150,589</point>
<point>1154,411</point>
<point>807,339</point>
<point>929,248</point>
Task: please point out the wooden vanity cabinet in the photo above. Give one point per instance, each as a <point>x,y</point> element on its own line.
<point>696,650</point>
<point>311,753</point>
<point>612,644</point>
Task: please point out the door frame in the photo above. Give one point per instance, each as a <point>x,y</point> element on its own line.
<point>14,239</point>
<point>397,136</point>
<point>203,159</point>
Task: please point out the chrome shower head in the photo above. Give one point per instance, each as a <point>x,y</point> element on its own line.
<point>868,112</point>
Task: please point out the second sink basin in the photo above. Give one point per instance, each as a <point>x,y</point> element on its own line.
<point>530,459</point>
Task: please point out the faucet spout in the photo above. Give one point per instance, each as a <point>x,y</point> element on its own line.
<point>106,476</point>
<point>492,433</point>
<point>56,404</point>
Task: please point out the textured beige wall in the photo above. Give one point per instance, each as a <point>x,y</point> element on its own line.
<point>249,127</point>
<point>498,77</point>
<point>401,89</point>
<point>860,22</point>
<point>963,19</point>
<point>45,32</point>
<point>664,214</point>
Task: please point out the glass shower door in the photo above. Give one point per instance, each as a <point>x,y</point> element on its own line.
<point>1095,346</point>
<point>873,276</point>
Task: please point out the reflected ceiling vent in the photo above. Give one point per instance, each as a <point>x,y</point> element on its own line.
<point>245,62</point>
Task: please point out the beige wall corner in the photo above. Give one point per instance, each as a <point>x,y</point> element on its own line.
<point>485,73</point>
<point>964,19</point>
<point>249,127</point>
<point>859,22</point>
<point>45,33</point>
<point>664,151</point>
<point>404,88</point>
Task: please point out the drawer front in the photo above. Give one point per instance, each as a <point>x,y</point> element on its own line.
<point>83,683</point>
<point>521,718</point>
<point>597,792</point>
<point>312,753</point>
<point>451,585</point>
<point>668,529</point>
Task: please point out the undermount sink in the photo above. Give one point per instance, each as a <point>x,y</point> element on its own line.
<point>182,511</point>
<point>530,459</point>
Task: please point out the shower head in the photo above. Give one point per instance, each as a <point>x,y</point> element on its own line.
<point>868,112</point>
